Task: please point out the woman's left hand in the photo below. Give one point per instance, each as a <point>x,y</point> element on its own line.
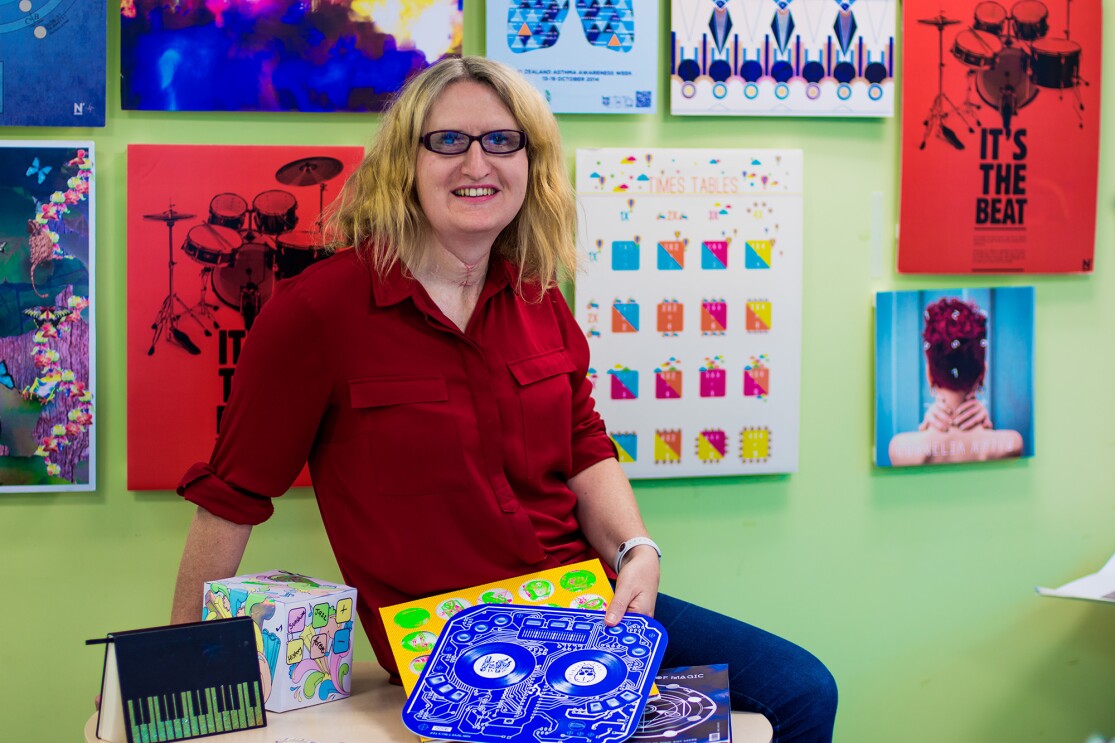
<point>636,586</point>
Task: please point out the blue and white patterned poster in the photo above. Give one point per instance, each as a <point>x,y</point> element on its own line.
<point>691,302</point>
<point>586,56</point>
<point>52,63</point>
<point>782,57</point>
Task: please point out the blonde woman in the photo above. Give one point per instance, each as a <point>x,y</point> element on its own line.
<point>435,380</point>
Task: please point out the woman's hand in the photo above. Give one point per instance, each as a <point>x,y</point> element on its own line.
<point>636,585</point>
<point>971,414</point>
<point>968,415</point>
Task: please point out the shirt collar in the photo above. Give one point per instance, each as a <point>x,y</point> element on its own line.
<point>395,286</point>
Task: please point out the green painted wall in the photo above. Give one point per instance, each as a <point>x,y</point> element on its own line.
<point>915,587</point>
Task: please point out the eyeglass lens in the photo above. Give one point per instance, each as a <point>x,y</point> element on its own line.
<point>500,142</point>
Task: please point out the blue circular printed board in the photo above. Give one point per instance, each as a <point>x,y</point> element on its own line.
<point>502,673</point>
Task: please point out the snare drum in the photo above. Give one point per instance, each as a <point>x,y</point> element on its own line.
<point>296,252</point>
<point>977,49</point>
<point>254,263</point>
<point>1055,63</point>
<point>1030,20</point>
<point>275,212</point>
<point>212,244</point>
<point>228,210</point>
<point>990,17</point>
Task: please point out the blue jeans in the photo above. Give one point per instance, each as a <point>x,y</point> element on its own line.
<point>767,674</point>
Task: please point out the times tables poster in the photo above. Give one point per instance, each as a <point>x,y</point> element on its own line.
<point>52,62</point>
<point>691,302</point>
<point>211,230</point>
<point>1000,136</point>
<point>588,56</point>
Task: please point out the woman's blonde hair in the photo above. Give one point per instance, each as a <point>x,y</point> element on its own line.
<point>377,211</point>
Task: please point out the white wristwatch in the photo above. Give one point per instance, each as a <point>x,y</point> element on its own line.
<point>631,544</point>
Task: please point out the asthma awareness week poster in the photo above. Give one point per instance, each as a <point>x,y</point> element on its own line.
<point>1000,136</point>
<point>691,301</point>
<point>211,229</point>
<point>591,56</point>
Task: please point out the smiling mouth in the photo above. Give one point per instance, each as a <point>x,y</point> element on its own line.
<point>474,192</point>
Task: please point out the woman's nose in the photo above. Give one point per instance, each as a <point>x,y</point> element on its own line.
<point>476,160</point>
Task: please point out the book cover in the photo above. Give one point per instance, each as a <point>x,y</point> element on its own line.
<point>52,63</point>
<point>954,376</point>
<point>693,706</point>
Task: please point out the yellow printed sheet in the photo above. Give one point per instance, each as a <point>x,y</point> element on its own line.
<point>413,627</point>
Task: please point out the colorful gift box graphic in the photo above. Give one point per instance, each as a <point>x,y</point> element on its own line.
<point>671,255</point>
<point>625,255</point>
<point>714,316</point>
<point>671,317</point>
<point>625,316</point>
<point>304,634</point>
<point>712,445</point>
<point>667,446</point>
<point>758,254</point>
<point>714,255</point>
<point>625,383</point>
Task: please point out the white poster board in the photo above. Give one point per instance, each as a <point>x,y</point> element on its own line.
<point>691,301</point>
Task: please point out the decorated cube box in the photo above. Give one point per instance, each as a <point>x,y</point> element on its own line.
<point>304,633</point>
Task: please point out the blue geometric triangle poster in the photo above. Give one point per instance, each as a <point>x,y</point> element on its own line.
<point>585,56</point>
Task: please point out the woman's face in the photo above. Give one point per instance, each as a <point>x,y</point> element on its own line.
<point>469,198</point>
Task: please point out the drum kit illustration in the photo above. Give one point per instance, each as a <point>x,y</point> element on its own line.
<point>1010,58</point>
<point>241,250</point>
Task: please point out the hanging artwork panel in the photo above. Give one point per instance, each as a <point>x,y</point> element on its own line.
<point>279,55</point>
<point>1000,136</point>
<point>586,56</point>
<point>47,362</point>
<point>954,376</point>
<point>211,229</point>
<point>52,63</point>
<point>782,57</point>
<point>691,302</point>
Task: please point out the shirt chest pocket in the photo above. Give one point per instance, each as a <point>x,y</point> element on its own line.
<point>546,399</point>
<point>413,443</point>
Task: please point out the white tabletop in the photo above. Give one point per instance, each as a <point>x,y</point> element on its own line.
<point>374,713</point>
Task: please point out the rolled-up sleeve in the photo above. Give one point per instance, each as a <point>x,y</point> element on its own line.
<point>279,395</point>
<point>591,443</point>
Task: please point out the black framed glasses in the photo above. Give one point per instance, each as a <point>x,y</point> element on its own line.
<point>499,142</point>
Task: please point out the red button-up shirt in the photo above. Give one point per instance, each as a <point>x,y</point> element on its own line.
<point>439,457</point>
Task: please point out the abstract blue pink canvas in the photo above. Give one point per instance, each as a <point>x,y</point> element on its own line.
<point>279,55</point>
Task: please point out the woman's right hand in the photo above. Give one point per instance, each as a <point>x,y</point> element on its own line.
<point>969,415</point>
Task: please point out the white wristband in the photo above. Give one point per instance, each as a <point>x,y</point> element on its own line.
<point>631,544</point>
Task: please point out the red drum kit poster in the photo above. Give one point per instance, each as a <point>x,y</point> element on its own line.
<point>1000,136</point>
<point>211,229</point>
